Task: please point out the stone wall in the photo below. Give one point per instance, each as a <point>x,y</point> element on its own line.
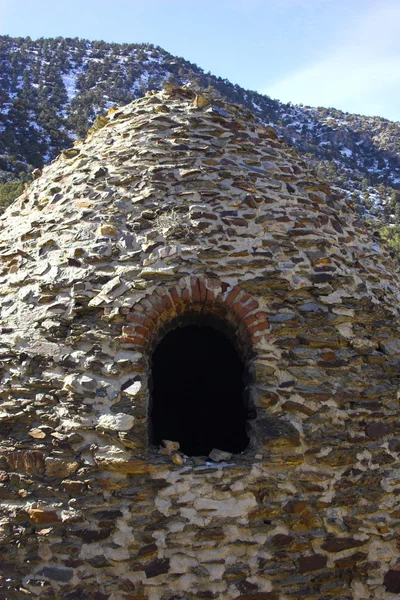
<point>175,206</point>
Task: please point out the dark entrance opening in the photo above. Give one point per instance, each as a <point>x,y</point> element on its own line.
<point>198,392</point>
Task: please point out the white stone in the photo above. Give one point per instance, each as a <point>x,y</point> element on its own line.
<point>163,505</point>
<point>91,550</point>
<point>182,562</point>
<point>112,453</point>
<point>123,537</point>
<point>216,571</point>
<point>118,422</point>
<point>133,389</point>
<point>345,330</point>
<point>238,506</point>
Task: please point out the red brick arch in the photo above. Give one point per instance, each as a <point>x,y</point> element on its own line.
<point>195,294</point>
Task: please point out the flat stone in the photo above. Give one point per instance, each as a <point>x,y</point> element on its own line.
<point>391,581</point>
<point>118,422</point>
<point>340,544</point>
<point>71,152</point>
<point>200,101</point>
<point>291,406</point>
<point>282,540</point>
<point>37,434</point>
<point>349,562</point>
<point>391,346</point>
<point>379,430</point>
<point>59,467</point>
<point>90,536</point>
<point>312,562</point>
<point>57,574</point>
<point>108,230</point>
<point>29,461</point>
<point>133,388</point>
<point>98,562</point>
<point>219,455</point>
<point>157,567</point>
<point>310,307</point>
<point>281,317</point>
<point>38,516</point>
<point>273,430</point>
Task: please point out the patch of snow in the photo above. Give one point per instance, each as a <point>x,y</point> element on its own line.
<point>141,81</point>
<point>69,80</point>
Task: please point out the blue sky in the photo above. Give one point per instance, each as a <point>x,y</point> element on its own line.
<point>337,53</point>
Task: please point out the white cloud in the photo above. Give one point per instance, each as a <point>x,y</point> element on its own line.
<point>359,74</point>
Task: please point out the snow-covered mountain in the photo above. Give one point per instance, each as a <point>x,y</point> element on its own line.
<point>51,91</point>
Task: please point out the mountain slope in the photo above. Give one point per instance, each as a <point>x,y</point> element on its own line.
<point>51,91</point>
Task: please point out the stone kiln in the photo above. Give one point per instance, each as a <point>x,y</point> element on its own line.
<point>183,224</point>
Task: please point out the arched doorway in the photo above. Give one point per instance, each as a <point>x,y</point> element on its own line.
<point>198,391</point>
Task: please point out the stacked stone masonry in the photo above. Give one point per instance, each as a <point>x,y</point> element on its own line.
<point>176,208</point>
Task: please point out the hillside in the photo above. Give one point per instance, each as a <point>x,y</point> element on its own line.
<point>51,91</point>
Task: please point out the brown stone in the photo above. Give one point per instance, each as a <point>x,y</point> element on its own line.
<point>177,459</point>
<point>133,467</point>
<point>349,561</point>
<point>392,581</point>
<point>291,406</point>
<point>73,487</point>
<point>70,152</point>
<point>37,433</point>
<point>281,540</point>
<point>30,461</point>
<point>169,448</point>
<point>312,562</point>
<point>294,507</point>
<point>340,544</point>
<point>58,467</point>
<point>277,433</point>
<point>200,101</point>
<point>41,517</point>
<point>379,430</point>
<point>338,458</point>
<point>147,551</point>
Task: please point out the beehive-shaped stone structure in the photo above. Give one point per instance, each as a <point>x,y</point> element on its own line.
<point>180,275</point>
